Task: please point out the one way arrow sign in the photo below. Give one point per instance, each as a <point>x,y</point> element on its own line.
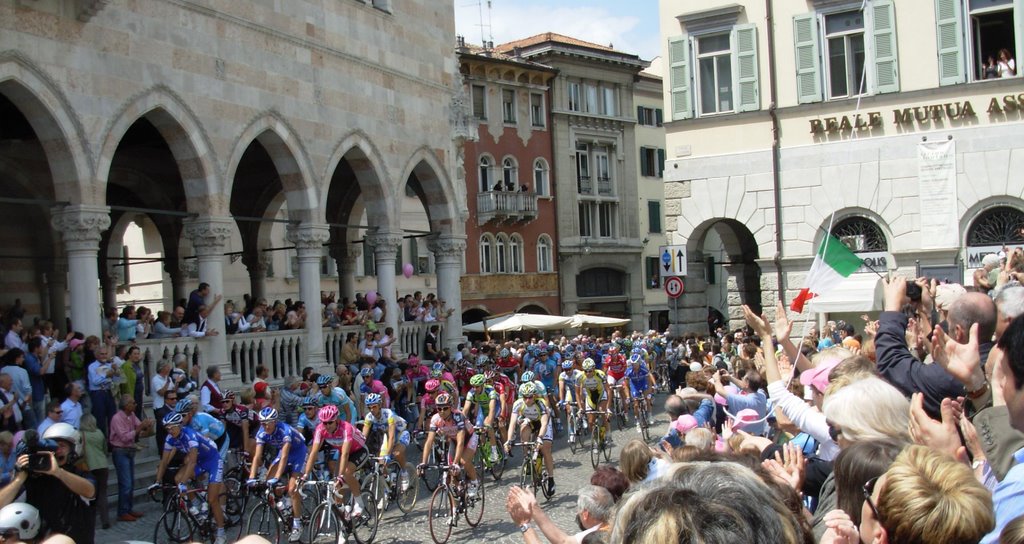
<point>673,261</point>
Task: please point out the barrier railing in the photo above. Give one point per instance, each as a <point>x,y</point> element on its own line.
<point>283,353</point>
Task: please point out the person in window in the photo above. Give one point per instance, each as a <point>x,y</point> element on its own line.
<point>990,70</point>
<point>499,186</point>
<point>1006,66</point>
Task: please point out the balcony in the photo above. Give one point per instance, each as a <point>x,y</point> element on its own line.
<point>604,186</point>
<point>585,186</point>
<point>503,206</point>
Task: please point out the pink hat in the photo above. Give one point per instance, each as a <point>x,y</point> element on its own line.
<point>817,377</point>
<point>75,342</point>
<point>684,424</point>
<point>746,415</point>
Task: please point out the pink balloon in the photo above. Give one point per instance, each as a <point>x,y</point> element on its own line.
<point>371,297</point>
<point>407,270</point>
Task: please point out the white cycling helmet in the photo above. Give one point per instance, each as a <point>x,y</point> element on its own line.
<point>21,516</point>
<point>64,431</point>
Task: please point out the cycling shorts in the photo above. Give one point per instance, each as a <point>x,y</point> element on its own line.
<point>535,426</point>
<point>214,468</point>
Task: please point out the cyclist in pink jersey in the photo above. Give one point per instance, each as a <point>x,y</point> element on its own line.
<point>453,426</point>
<point>348,450</point>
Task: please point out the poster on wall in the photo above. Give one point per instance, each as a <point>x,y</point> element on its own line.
<point>936,173</point>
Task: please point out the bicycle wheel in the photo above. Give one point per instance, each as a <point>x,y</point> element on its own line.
<point>364,527</point>
<point>407,499</point>
<point>582,436</point>
<point>525,477</point>
<point>173,527</point>
<point>432,474</point>
<point>324,525</point>
<point>375,485</point>
<point>474,508</point>
<point>595,449</point>
<point>497,466</point>
<point>606,449</point>
<point>544,485</point>
<point>573,437</point>
<point>264,522</point>
<point>441,515</point>
<point>234,497</point>
<point>620,413</point>
<point>310,500</point>
<point>645,428</point>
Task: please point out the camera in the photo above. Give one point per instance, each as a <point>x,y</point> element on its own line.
<point>913,291</point>
<point>34,446</point>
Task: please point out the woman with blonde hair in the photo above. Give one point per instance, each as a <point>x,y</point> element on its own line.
<point>94,446</point>
<point>640,463</point>
<point>868,409</point>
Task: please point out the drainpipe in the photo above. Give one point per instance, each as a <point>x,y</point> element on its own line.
<point>776,146</point>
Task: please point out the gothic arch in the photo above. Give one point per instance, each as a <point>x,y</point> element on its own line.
<point>368,167</point>
<point>437,193</point>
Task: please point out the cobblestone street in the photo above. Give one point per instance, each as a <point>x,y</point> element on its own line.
<point>571,471</point>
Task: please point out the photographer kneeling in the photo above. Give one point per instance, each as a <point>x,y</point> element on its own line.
<point>46,471</point>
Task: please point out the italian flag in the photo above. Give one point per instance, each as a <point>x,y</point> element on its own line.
<point>833,264</point>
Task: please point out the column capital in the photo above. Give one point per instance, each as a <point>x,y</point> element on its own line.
<point>309,238</point>
<point>447,248</point>
<point>81,226</point>
<point>347,254</point>
<point>385,244</point>
<point>209,235</point>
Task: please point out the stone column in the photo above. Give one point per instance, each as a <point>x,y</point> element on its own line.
<point>81,227</point>
<point>448,253</point>
<point>178,271</point>
<point>346,258</point>
<point>257,267</point>
<point>210,236</point>
<point>385,252</point>
<point>58,284</point>
<point>309,240</point>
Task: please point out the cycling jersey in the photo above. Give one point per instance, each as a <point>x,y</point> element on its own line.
<point>532,412</point>
<point>375,386</point>
<point>284,433</point>
<point>449,428</point>
<point>382,422</point>
<point>615,365</point>
<point>593,382</point>
<point>638,379</point>
<point>570,378</point>
<point>340,399</point>
<point>234,418</point>
<point>545,372</point>
<point>207,425</point>
<point>484,397</point>
<point>343,432</point>
<point>207,460</point>
<point>306,426</point>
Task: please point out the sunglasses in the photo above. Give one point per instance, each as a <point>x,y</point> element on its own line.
<point>869,489</point>
<point>443,408</point>
<point>834,431</point>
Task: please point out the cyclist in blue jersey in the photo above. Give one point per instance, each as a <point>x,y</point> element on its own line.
<point>201,457</point>
<point>640,382</point>
<point>335,396</point>
<point>291,456</point>
<point>307,419</point>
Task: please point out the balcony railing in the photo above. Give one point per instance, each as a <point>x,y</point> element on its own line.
<point>604,186</point>
<point>583,185</point>
<point>505,206</point>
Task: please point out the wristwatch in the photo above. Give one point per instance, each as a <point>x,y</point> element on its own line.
<point>524,527</point>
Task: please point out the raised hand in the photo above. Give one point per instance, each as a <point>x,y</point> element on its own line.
<point>940,436</point>
<point>783,326</point>
<point>757,322</point>
<point>962,361</point>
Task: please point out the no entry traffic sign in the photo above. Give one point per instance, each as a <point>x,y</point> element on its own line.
<point>673,286</point>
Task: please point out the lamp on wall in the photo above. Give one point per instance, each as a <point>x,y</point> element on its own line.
<point>587,250</point>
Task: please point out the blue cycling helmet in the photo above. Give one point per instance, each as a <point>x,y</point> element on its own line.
<point>527,376</point>
<point>173,419</point>
<point>567,364</point>
<point>324,379</point>
<point>636,358</point>
<point>308,401</point>
<point>366,372</point>
<point>504,353</point>
<point>437,366</point>
<point>268,414</point>
<point>184,406</point>
<point>373,398</point>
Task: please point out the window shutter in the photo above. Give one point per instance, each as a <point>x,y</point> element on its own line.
<point>414,255</point>
<point>661,163</point>
<point>808,65</point>
<point>659,116</point>
<point>949,36</point>
<point>883,33</point>
<point>653,216</point>
<point>745,66</point>
<point>640,114</point>
<point>644,167</point>
<point>398,260</point>
<point>368,261</point>
<point>679,77</point>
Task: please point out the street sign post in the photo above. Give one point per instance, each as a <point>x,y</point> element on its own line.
<point>672,261</point>
<point>674,287</point>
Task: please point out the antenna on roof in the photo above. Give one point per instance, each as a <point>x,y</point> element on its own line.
<point>486,33</point>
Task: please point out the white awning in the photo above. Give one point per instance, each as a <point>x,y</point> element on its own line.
<point>857,293</point>
<point>585,320</point>
<point>518,322</point>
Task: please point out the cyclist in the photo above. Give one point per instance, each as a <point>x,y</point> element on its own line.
<point>465,373</point>
<point>639,378</point>
<point>453,426</point>
<point>531,415</point>
<point>201,457</point>
<point>591,387</point>
<point>203,423</point>
<point>439,372</point>
<point>567,382</point>
<point>291,452</point>
<point>615,368</point>
<point>427,402</point>
<point>307,419</point>
<point>509,364</point>
<point>507,392</point>
<point>372,385</point>
<point>236,418</point>
<point>488,407</point>
<point>335,396</point>
<point>393,427</point>
<point>347,453</point>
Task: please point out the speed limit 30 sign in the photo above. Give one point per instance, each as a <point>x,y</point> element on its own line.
<point>673,286</point>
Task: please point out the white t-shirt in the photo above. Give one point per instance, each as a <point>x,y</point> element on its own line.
<point>155,385</point>
<point>578,537</point>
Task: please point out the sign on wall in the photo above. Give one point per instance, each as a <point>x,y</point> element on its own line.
<point>936,173</point>
<point>672,261</point>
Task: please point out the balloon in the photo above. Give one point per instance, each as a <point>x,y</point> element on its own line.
<point>407,270</point>
<point>371,297</point>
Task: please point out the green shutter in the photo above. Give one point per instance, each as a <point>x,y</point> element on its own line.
<point>414,255</point>
<point>653,216</point>
<point>744,38</point>
<point>883,34</point>
<point>368,260</point>
<point>949,35</point>
<point>679,77</point>
<point>398,260</point>
<point>644,166</point>
<point>640,114</point>
<point>659,118</point>
<point>661,163</point>
<point>808,65</point>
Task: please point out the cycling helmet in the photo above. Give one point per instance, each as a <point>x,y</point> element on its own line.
<point>438,367</point>
<point>184,406</point>
<point>489,375</point>
<point>20,516</point>
<point>436,374</point>
<point>172,419</point>
<point>613,349</point>
<point>327,413</point>
<point>551,347</point>
<point>637,350</point>
<point>569,349</point>
<point>527,376</point>
<point>636,358</point>
<point>476,380</point>
<point>432,385</point>
<point>444,399</point>
<point>504,353</point>
<point>373,398</point>
<point>308,401</point>
<point>229,395</point>
<point>366,372</point>
<point>528,389</point>
<point>567,364</point>
<point>323,380</point>
<point>588,364</point>
<point>627,343</point>
<point>482,360</point>
<point>268,414</point>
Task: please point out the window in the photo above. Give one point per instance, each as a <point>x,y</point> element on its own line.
<point>844,49</point>
<point>654,216</point>
<point>586,219</point>
<point>1001,225</point>
<point>479,101</point>
<point>486,250</point>
<point>590,99</point>
<point>972,36</point>
<point>603,170</point>
<point>846,53</point>
<point>486,174</point>
<point>650,117</point>
<point>860,234</point>
<point>540,177</point>
<point>648,161</point>
<point>722,75</point>
<point>652,272</point>
<point>383,5</point>
<point>544,253</point>
<point>510,174</point>
<point>583,183</point>
<point>608,103</point>
<point>601,282</point>
<point>714,74</point>
<point>369,263</point>
<point>606,219</point>
<point>508,105</point>
<point>499,252</point>
<point>515,254</point>
<point>574,96</point>
<point>537,109</point>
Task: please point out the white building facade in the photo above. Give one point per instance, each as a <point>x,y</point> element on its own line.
<point>884,123</point>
